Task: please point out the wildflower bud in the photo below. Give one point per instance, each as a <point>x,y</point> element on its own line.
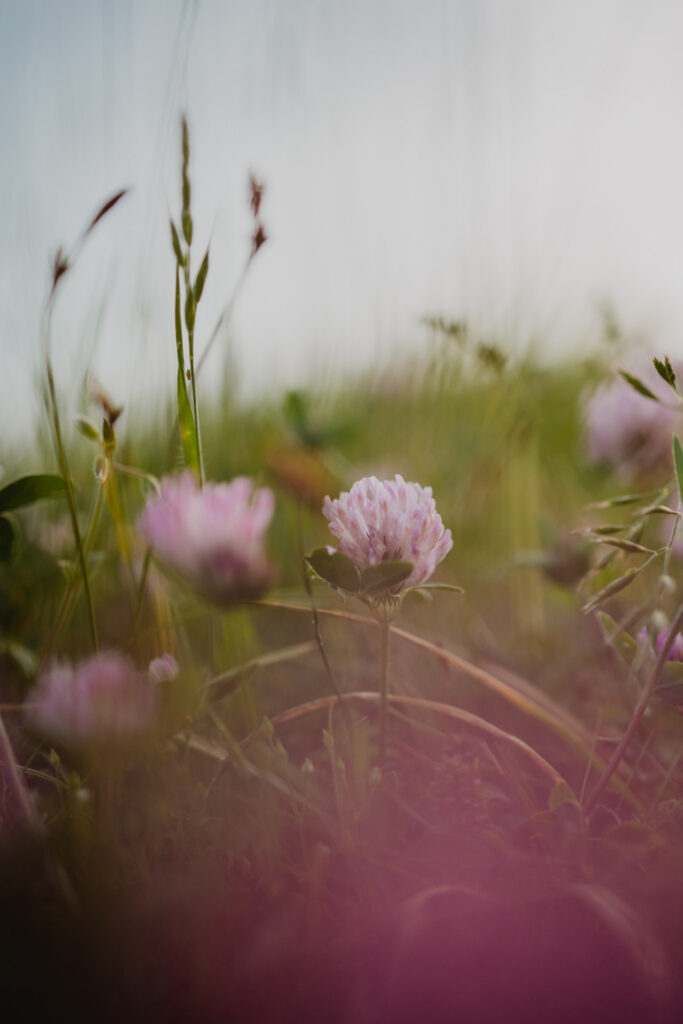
<point>108,436</point>
<point>163,669</point>
<point>101,468</point>
<point>658,621</point>
<point>87,428</point>
<point>667,584</point>
<point>256,190</point>
<point>259,238</point>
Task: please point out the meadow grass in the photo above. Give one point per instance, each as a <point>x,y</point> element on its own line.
<point>280,842</point>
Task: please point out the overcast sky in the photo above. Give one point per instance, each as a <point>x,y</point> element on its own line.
<point>514,163</point>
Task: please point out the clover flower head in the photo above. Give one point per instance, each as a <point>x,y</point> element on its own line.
<point>104,698</point>
<point>627,430</point>
<point>390,520</point>
<point>214,537</point>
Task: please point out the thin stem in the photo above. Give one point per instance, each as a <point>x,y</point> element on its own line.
<point>226,314</point>
<point>142,587</point>
<point>645,698</point>
<point>66,607</point>
<point>193,382</point>
<point>674,531</point>
<point>64,468</point>
<point>383,690</point>
<point>13,783</point>
<point>316,619</point>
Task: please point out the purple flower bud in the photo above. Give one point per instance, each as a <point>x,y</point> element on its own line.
<point>676,649</point>
<point>104,698</point>
<point>214,537</point>
<point>379,521</point>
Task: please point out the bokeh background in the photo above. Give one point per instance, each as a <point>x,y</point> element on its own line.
<point>514,164</point>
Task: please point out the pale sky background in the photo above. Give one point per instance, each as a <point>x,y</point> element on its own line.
<point>512,162</point>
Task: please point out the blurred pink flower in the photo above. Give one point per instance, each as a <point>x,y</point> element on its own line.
<point>162,669</point>
<point>676,649</point>
<point>104,698</point>
<point>214,537</point>
<point>629,431</point>
<point>379,521</point>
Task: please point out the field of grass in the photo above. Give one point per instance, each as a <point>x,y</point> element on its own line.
<point>499,838</point>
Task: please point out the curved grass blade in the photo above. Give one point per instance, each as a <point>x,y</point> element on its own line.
<point>465,717</point>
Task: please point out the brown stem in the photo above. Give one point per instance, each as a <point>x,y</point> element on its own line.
<point>642,704</point>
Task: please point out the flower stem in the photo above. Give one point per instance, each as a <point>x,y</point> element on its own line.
<point>383,690</point>
<point>638,713</point>
<point>15,796</point>
<point>64,469</point>
<point>314,613</point>
<point>193,382</point>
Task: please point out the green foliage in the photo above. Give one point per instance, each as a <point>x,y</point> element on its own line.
<point>29,489</point>
<point>384,576</point>
<point>637,384</point>
<point>188,433</point>
<point>334,568</point>
<point>665,371</point>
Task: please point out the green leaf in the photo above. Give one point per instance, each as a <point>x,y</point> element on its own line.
<point>187,220</point>
<point>622,642</point>
<point>181,259</point>
<point>335,568</point>
<point>620,499</point>
<point>678,463</point>
<point>607,530</point>
<point>638,385</point>
<point>441,586</point>
<point>612,588</point>
<point>190,310</point>
<point>561,794</point>
<point>179,325</point>
<point>201,278</point>
<point>665,370</point>
<point>188,433</point>
<point>27,489</point>
<point>625,545</point>
<point>384,576</point>
<point>6,539</point>
<point>86,427</point>
<point>658,510</point>
<point>25,658</point>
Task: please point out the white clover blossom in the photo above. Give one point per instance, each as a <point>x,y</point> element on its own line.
<point>104,698</point>
<point>214,537</point>
<point>390,520</point>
